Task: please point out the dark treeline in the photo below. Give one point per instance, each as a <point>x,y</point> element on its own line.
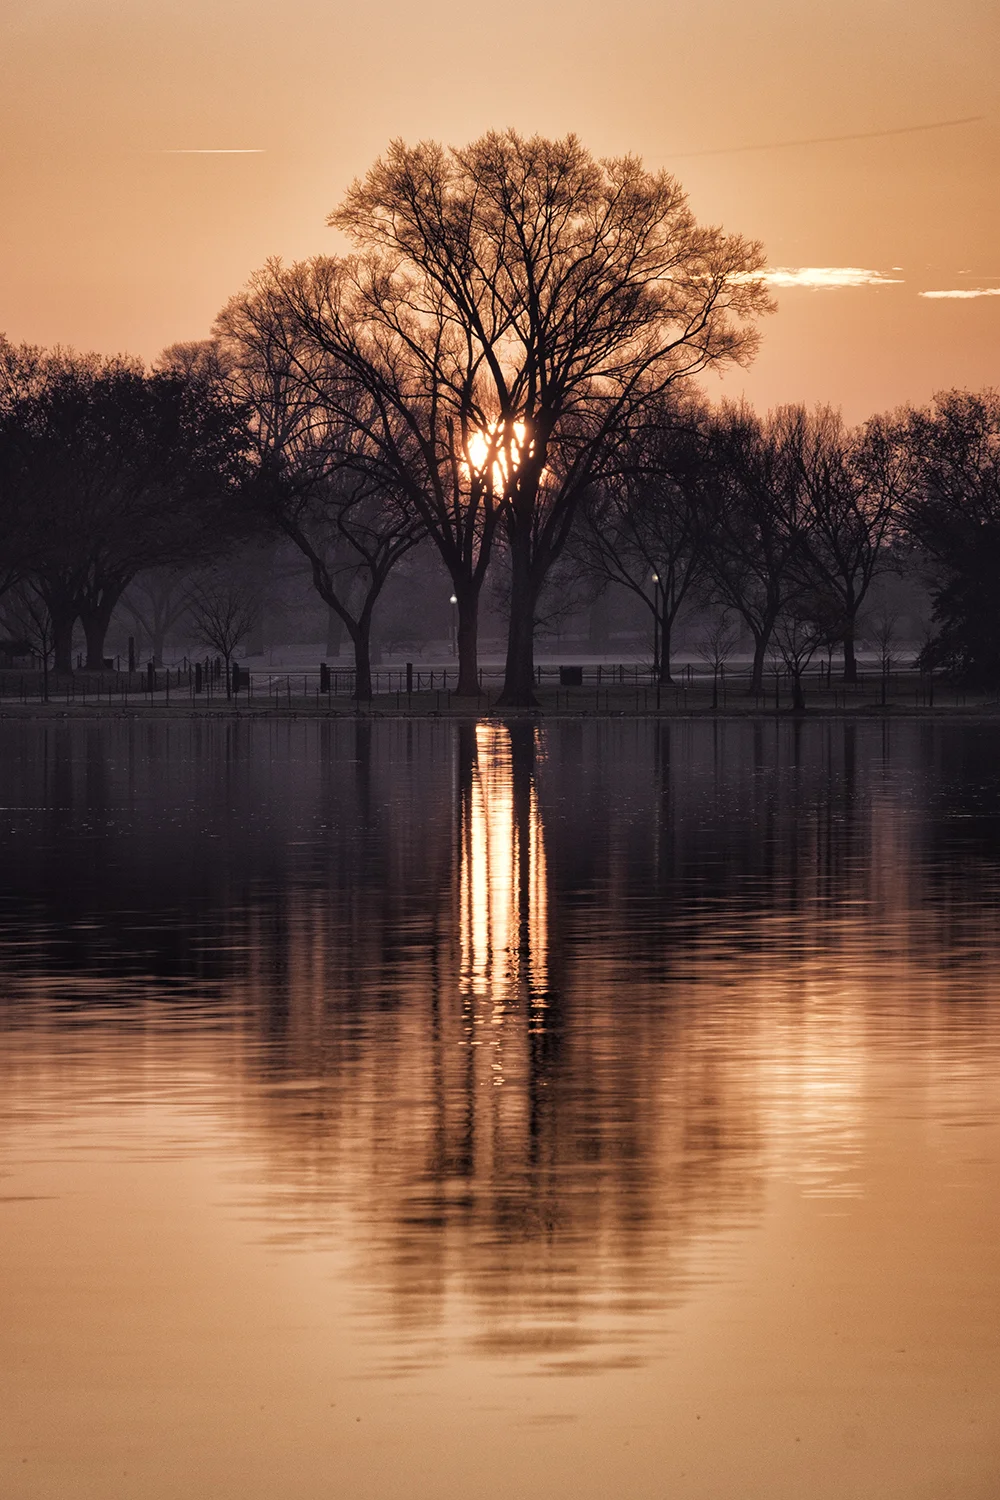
<point>503,375</point>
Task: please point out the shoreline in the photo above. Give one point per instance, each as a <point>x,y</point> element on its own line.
<point>980,708</point>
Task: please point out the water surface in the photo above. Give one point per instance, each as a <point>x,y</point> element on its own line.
<point>417,1110</point>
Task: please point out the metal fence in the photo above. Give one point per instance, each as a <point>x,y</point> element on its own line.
<point>599,685</point>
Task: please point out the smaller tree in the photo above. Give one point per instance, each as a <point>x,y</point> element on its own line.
<point>223,613</point>
<point>718,643</point>
<point>352,535</point>
<point>808,622</point>
<point>646,527</point>
<point>320,479</point>
<point>756,552</point>
<point>156,601</point>
<point>851,484</point>
<point>882,636</point>
<point>25,617</point>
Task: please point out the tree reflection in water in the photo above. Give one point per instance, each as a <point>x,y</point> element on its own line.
<point>526,1159</point>
<point>523,1021</point>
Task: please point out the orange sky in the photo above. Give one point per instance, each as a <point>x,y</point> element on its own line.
<point>108,240</point>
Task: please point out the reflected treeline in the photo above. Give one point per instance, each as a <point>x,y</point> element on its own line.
<point>149,851</point>
<point>526,1015</point>
<point>500,1129</point>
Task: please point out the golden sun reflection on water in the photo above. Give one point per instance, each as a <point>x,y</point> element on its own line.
<point>503,881</point>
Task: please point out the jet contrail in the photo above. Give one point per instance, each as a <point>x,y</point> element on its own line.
<point>828,140</point>
<point>211,151</point>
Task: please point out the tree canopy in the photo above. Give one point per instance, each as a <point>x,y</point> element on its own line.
<point>113,470</point>
<point>510,309</point>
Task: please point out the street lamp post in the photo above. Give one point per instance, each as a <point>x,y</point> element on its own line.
<point>657,596</point>
<point>453,601</point>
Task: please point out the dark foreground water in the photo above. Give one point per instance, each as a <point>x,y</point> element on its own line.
<point>404,1111</point>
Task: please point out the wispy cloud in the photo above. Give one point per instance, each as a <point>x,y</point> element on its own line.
<point>821,278</point>
<point>828,140</point>
<point>965,293</point>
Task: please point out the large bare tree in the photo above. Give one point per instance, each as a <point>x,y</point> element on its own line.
<point>512,307</point>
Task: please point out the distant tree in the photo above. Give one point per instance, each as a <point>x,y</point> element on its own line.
<point>809,620</point>
<point>24,616</point>
<point>854,484</point>
<point>351,534</point>
<point>121,471</point>
<point>157,600</point>
<point>24,369</point>
<point>718,644</point>
<point>757,560</point>
<point>882,636</point>
<point>515,304</point>
<point>953,513</point>
<point>647,528</point>
<point>320,477</point>
<point>223,613</point>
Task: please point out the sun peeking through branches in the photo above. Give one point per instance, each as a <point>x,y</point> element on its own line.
<point>495,454</point>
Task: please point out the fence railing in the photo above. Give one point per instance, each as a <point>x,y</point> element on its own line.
<point>588,685</point>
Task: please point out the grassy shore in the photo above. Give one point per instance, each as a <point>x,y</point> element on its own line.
<point>901,697</point>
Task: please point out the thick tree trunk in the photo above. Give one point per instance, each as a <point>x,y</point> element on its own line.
<point>761,640</point>
<point>798,700</point>
<point>361,641</point>
<point>95,627</point>
<point>757,670</point>
<point>62,639</point>
<point>519,672</point>
<point>467,636</point>
<point>666,631</point>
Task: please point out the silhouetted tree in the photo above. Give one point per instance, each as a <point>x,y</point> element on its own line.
<point>808,620</point>
<point>953,512</point>
<point>157,600</point>
<point>853,483</point>
<point>320,478</point>
<point>121,471</point>
<point>223,613</point>
<point>882,635</point>
<point>514,306</point>
<point>25,617</point>
<point>647,528</point>
<point>757,559</point>
<point>24,370</point>
<point>718,643</point>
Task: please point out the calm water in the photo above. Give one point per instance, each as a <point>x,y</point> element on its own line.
<point>411,1110</point>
